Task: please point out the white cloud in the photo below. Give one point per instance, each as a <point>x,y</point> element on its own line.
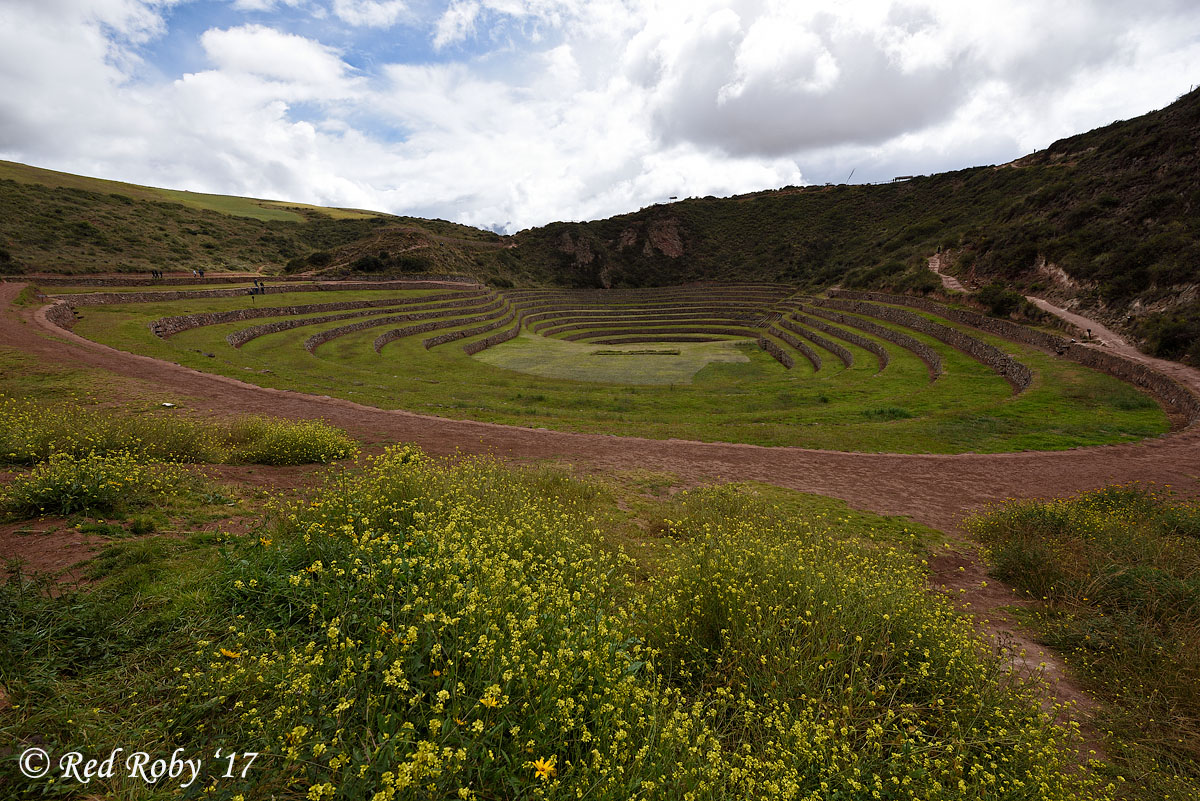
<point>370,13</point>
<point>570,109</point>
<point>258,50</point>
<point>264,5</point>
<point>456,23</point>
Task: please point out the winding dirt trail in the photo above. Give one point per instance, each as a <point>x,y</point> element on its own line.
<point>938,490</point>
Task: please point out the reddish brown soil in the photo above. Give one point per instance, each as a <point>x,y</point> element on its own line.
<point>48,545</point>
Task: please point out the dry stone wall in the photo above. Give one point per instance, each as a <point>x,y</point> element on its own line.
<point>454,308</point>
<point>1177,399</point>
<point>837,350</point>
<point>777,353</point>
<point>1013,371</point>
<point>796,344</point>
<point>114,298</point>
<point>424,328</point>
<point>62,315</point>
<point>83,280</point>
<point>169,326</point>
<point>871,345</point>
<point>450,336</point>
<point>471,348</point>
<point>932,359</point>
<point>990,325</point>
<point>592,333</point>
<point>635,339</point>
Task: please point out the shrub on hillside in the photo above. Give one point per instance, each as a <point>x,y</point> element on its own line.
<point>999,300</point>
<point>1173,334</point>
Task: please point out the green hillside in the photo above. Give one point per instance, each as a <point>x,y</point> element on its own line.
<point>57,222</point>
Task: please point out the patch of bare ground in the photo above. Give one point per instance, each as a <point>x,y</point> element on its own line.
<point>49,545</point>
<point>962,576</point>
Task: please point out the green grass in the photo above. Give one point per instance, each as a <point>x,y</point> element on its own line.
<point>462,626</point>
<point>580,361</point>
<point>753,400</point>
<point>33,432</point>
<point>1116,577</point>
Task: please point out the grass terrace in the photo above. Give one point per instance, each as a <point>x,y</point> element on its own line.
<point>532,363</point>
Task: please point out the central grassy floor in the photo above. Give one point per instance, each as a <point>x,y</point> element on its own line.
<point>578,361</point>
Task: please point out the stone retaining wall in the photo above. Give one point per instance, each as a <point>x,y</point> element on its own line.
<point>932,359</point>
<point>641,317</point>
<point>114,298</point>
<point>169,326</point>
<point>837,350</point>
<point>424,328</point>
<point>61,315</point>
<point>84,280</point>
<point>1177,398</point>
<point>455,308</point>
<point>990,325</point>
<point>736,332</point>
<point>562,305</point>
<point>871,345</point>
<point>471,348</point>
<point>632,340</point>
<point>796,344</point>
<point>548,330</point>
<point>442,339</point>
<point>1013,371</point>
<point>779,354</point>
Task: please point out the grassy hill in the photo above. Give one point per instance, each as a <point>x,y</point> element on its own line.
<point>57,222</point>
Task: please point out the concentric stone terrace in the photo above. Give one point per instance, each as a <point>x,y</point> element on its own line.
<point>755,363</point>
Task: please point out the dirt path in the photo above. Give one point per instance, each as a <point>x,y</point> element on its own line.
<point>935,489</point>
<point>948,281</point>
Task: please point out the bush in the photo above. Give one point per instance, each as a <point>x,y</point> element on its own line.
<point>32,432</point>
<point>263,440</point>
<point>999,300</point>
<point>1117,572</point>
<point>92,484</point>
<point>431,626</point>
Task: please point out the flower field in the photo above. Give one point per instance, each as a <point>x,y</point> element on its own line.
<point>421,628</point>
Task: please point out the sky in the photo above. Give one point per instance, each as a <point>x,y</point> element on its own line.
<point>508,114</point>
